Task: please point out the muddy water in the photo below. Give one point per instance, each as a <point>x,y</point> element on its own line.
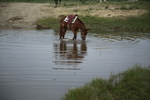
<point>36,65</point>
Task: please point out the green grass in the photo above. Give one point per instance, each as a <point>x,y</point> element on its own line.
<point>52,23</point>
<point>70,2</point>
<point>140,24</point>
<point>133,84</point>
<point>96,24</point>
<point>27,1</point>
<point>123,3</point>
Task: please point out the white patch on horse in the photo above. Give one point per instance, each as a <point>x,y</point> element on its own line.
<point>66,19</point>
<point>73,20</point>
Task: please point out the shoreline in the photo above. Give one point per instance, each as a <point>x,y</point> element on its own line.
<point>96,24</point>
<point>27,14</point>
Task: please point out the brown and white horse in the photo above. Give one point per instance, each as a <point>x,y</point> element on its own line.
<point>78,24</point>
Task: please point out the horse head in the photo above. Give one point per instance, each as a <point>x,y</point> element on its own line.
<point>84,33</point>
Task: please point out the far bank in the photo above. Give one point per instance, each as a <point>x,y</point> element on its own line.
<point>110,16</point>
<point>131,23</point>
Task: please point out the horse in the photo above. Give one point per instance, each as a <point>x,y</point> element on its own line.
<point>78,24</point>
<point>57,2</point>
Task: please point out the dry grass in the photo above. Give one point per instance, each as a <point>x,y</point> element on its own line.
<point>30,12</point>
<point>99,10</point>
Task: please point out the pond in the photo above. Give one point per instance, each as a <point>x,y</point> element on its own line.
<point>36,65</point>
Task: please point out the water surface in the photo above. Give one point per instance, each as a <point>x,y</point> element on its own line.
<point>36,65</point>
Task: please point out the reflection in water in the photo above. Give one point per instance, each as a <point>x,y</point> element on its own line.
<point>69,52</point>
<point>35,61</point>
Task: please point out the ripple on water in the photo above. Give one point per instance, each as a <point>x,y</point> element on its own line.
<point>37,62</point>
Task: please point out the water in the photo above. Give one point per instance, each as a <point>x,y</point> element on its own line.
<point>36,65</point>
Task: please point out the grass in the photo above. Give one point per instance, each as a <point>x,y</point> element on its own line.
<point>49,23</point>
<point>140,24</point>
<point>89,12</point>
<point>96,23</point>
<point>133,84</point>
<point>28,1</point>
<point>71,2</point>
<point>123,4</point>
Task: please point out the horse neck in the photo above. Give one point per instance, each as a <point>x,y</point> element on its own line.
<point>81,25</point>
<point>82,28</point>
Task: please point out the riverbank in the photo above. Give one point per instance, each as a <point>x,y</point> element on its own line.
<point>113,16</point>
<point>96,24</point>
<point>107,16</point>
<point>131,84</point>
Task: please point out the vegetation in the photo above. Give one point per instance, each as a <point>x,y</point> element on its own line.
<point>133,84</point>
<point>45,23</point>
<point>45,1</point>
<point>82,1</point>
<point>93,21</point>
<point>141,23</point>
<point>96,23</point>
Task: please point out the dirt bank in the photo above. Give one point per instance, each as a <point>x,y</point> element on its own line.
<point>26,14</point>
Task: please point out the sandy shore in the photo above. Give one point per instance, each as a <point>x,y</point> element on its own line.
<point>26,14</point>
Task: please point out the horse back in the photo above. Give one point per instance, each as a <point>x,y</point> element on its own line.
<point>78,23</point>
<point>62,22</point>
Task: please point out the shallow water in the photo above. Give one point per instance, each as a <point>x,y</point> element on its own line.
<point>36,65</point>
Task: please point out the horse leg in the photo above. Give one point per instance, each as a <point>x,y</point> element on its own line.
<point>56,2</point>
<point>62,31</point>
<point>75,34</point>
<point>59,1</point>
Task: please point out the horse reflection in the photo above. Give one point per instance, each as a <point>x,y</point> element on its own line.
<point>69,53</point>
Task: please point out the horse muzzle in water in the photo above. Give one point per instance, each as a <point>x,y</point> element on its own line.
<point>83,38</point>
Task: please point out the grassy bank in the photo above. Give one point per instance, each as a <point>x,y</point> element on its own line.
<point>110,16</point>
<point>140,23</point>
<point>133,84</point>
<point>92,13</point>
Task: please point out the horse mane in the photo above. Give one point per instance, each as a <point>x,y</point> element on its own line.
<point>81,22</point>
